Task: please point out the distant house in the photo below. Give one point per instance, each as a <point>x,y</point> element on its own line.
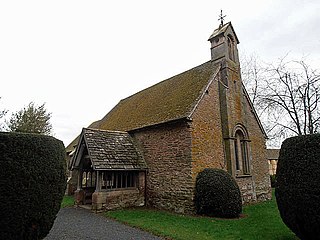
<point>150,147</point>
<point>273,155</point>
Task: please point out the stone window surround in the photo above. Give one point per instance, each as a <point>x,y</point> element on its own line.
<point>242,167</point>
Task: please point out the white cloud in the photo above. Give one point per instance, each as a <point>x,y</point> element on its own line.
<point>82,57</point>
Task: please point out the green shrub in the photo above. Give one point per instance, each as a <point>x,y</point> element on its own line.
<point>217,194</point>
<point>32,184</point>
<point>298,185</point>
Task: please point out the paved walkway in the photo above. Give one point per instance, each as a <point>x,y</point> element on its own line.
<point>78,223</point>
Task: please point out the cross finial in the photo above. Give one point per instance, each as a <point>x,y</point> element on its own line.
<point>221,18</point>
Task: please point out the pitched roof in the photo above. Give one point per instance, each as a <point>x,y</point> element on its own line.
<point>169,100</point>
<point>222,30</point>
<point>75,141</point>
<point>109,150</point>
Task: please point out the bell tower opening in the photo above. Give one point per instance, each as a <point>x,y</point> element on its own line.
<point>224,44</point>
<point>231,48</point>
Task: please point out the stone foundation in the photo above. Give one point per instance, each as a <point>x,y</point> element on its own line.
<point>98,201</point>
<point>124,198</point>
<point>113,199</point>
<point>247,188</point>
<point>79,197</point>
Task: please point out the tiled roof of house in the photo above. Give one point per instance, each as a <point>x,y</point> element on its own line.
<point>111,150</point>
<point>169,100</point>
<point>273,154</point>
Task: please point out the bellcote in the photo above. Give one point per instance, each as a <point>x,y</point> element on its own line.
<point>224,44</point>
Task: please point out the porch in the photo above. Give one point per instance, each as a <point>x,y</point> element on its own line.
<point>106,190</point>
<point>111,171</point>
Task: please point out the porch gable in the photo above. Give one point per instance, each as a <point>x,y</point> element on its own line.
<point>108,150</point>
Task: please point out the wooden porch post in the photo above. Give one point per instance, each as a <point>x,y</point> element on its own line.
<point>79,193</point>
<point>98,182</point>
<point>79,183</point>
<point>98,197</point>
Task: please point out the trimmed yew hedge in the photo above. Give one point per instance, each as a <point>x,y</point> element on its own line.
<point>298,185</point>
<point>217,194</point>
<point>32,184</point>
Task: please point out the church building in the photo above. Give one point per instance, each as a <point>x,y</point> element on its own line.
<point>150,147</point>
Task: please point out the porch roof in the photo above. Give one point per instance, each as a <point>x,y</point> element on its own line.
<point>108,150</point>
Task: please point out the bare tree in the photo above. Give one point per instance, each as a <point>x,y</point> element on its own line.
<point>31,119</point>
<point>293,92</point>
<point>285,95</point>
<point>253,71</point>
<point>253,75</point>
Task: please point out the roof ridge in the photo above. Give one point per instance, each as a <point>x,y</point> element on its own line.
<point>104,130</point>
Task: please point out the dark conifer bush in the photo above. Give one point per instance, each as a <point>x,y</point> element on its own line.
<point>217,194</point>
<point>298,185</point>
<point>32,184</point>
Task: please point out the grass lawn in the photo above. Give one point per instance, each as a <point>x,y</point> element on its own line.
<point>260,221</point>
<point>67,201</point>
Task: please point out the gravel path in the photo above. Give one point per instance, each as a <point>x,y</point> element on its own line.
<point>78,223</point>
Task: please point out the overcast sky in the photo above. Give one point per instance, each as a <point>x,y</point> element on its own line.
<point>81,58</point>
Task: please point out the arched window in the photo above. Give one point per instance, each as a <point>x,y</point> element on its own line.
<point>242,164</point>
<point>231,48</point>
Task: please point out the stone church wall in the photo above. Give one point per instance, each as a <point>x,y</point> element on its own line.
<point>260,168</point>
<point>210,132</point>
<point>166,150</point>
<point>255,187</point>
<point>207,141</point>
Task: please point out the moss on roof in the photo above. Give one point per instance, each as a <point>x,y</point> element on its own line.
<point>168,100</point>
<point>110,150</point>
